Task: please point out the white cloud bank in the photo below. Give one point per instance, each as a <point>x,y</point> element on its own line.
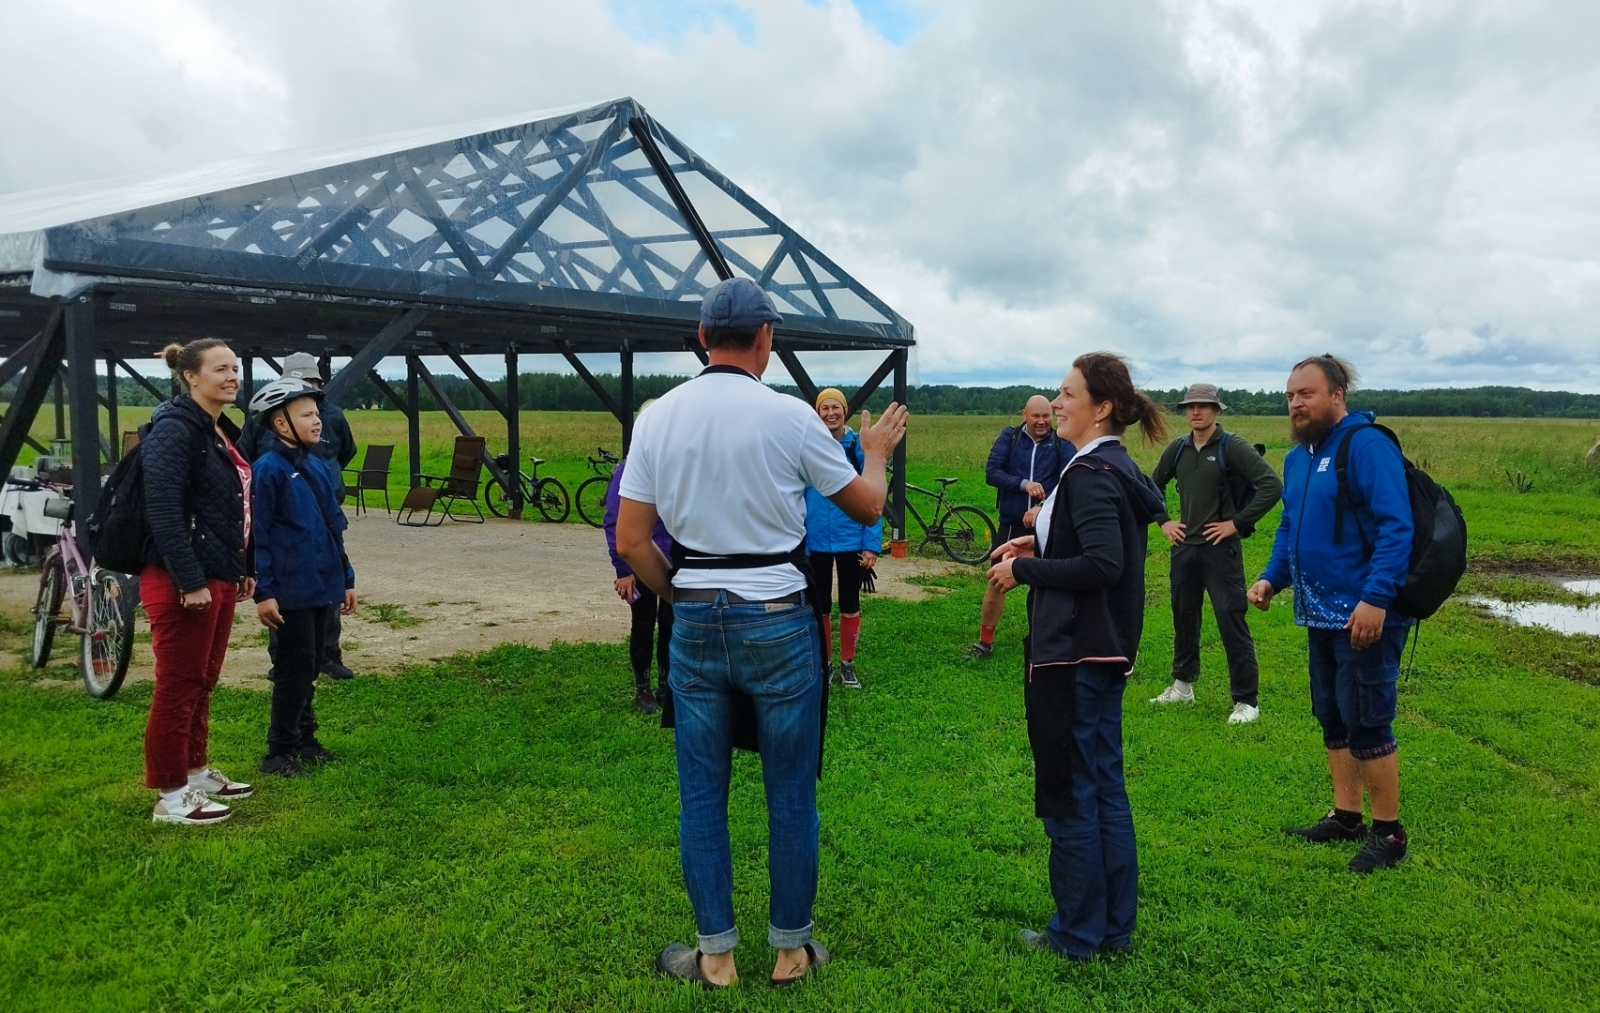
<point>1213,188</point>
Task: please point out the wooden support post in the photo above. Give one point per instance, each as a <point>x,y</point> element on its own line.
<point>39,369</point>
<point>461,424</point>
<point>115,443</point>
<point>82,351</point>
<point>513,429</point>
<point>414,419</point>
<point>61,409</point>
<point>247,385</point>
<point>627,397</point>
<point>897,487</point>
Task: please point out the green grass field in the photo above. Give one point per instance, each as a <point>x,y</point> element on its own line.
<point>502,832</point>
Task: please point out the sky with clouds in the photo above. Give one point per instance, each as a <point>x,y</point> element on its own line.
<point>1213,188</point>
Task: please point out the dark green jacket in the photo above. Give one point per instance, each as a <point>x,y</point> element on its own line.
<point>1206,494</point>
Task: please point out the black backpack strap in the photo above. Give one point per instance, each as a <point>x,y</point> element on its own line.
<point>1343,499</point>
<point>685,558</point>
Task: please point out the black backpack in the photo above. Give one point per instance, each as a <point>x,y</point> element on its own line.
<point>1438,539</point>
<point>117,530</point>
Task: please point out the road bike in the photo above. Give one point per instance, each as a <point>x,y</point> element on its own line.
<point>592,493</point>
<point>965,533</point>
<point>548,494</point>
<point>100,613</point>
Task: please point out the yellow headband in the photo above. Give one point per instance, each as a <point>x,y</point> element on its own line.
<point>832,394</point>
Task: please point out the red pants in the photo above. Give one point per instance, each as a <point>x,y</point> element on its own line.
<point>189,646</point>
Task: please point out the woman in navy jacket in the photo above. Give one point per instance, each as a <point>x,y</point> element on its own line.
<point>1085,576</point>
<point>838,544</point>
<point>651,627</point>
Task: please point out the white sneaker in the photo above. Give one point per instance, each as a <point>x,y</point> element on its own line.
<point>218,785</point>
<point>192,808</point>
<point>1178,692</point>
<point>1243,714</point>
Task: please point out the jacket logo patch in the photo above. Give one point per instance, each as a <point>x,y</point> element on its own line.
<point>1322,465</point>
<point>1211,457</point>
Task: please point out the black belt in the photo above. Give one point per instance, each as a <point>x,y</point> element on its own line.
<point>710,594</point>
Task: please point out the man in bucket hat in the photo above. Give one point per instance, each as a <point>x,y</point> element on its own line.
<point>1224,488</point>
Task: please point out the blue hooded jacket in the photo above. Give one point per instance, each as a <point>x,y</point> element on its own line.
<point>299,530</point>
<point>1330,579</point>
<point>829,529</point>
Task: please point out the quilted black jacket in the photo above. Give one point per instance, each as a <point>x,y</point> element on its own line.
<point>193,500</point>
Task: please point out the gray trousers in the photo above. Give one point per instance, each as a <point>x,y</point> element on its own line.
<point>1218,571</point>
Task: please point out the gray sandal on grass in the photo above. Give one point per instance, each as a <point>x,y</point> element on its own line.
<point>679,961</point>
<point>818,955</point>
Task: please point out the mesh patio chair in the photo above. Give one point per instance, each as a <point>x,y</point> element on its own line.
<point>372,476</point>
<point>461,485</point>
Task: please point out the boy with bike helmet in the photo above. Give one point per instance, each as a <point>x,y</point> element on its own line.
<point>301,564</point>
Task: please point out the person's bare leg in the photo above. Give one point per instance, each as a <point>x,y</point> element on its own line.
<point>791,964</point>
<point>1346,772</point>
<point>1382,778</point>
<point>718,968</point>
<point>994,605</point>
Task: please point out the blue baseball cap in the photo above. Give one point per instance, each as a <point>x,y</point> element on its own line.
<point>738,302</point>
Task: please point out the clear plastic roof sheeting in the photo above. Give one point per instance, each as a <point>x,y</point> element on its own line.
<point>566,210</point>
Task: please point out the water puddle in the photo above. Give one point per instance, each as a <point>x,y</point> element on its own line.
<point>1569,619</point>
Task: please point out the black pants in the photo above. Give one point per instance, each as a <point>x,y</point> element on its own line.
<point>300,646</point>
<point>649,613</point>
<point>848,564</point>
<point>331,653</point>
<point>1218,571</point>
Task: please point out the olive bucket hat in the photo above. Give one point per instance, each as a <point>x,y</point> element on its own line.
<point>1202,393</point>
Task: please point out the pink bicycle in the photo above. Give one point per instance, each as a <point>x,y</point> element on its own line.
<point>101,612</point>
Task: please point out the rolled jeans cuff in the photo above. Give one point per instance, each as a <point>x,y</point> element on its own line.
<point>720,942</point>
<point>1376,752</point>
<point>789,939</point>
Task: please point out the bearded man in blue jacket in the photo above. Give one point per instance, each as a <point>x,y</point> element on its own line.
<point>1346,563</point>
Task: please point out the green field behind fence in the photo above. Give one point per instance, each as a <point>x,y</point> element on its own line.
<point>502,832</point>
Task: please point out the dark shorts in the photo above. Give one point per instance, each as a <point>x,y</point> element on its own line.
<point>1007,531</point>
<point>1354,693</point>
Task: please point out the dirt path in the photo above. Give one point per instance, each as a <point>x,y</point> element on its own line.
<point>462,587</point>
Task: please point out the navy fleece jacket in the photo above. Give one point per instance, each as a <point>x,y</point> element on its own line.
<point>299,530</point>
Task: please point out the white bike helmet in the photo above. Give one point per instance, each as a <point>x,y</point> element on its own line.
<point>280,392</point>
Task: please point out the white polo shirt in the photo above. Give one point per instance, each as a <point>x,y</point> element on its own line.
<point>726,461</point>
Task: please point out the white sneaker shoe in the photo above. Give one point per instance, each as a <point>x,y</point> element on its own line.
<point>1178,692</point>
<point>1243,714</point>
<point>192,808</point>
<point>218,785</point>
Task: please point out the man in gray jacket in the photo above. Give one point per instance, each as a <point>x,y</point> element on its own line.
<point>1224,488</point>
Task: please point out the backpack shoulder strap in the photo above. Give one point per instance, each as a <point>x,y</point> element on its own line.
<point>1342,499</point>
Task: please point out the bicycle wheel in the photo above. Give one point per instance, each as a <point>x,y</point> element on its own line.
<point>592,501</point>
<point>52,584</point>
<point>104,651</point>
<point>551,496</point>
<point>967,533</point>
<point>496,498</point>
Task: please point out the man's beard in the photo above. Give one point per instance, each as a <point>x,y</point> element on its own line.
<point>1311,432</point>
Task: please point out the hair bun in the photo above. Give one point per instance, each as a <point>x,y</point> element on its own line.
<point>170,355</point>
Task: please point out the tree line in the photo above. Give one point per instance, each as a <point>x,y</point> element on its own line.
<point>566,392</point>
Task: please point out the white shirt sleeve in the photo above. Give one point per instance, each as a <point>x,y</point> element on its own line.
<point>639,478</point>
<point>823,465</point>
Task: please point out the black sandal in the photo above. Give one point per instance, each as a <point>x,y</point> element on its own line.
<point>680,962</point>
<point>818,955</point>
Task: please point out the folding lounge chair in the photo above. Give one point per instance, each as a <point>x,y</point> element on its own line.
<point>372,476</point>
<point>442,492</point>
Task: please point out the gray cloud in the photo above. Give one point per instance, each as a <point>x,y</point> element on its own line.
<point>1212,188</point>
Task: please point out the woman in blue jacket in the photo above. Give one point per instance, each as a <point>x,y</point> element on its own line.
<point>301,567</point>
<point>837,543</point>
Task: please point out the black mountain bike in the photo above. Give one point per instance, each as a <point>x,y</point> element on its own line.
<point>965,533</point>
<point>592,493</point>
<point>548,494</point>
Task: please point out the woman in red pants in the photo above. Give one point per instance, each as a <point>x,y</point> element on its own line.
<point>197,566</point>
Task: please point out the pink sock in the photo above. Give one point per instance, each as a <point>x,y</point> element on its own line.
<point>849,631</point>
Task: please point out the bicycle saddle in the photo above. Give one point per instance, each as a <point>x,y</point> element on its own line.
<point>947,481</point>
<point>536,461</point>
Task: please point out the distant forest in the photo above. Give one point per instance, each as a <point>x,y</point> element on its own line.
<point>565,392</point>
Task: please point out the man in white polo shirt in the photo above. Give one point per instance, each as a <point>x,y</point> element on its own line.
<point>725,461</point>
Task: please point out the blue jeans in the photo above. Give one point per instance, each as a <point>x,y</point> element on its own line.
<point>773,657</point>
<point>1094,865</point>
<point>1354,693</point>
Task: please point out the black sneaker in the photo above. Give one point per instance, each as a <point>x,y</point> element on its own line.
<point>645,702</point>
<point>1328,830</point>
<point>978,652</point>
<point>282,766</point>
<point>847,675</point>
<point>317,753</point>
<point>337,670</point>
<point>1379,852</point>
